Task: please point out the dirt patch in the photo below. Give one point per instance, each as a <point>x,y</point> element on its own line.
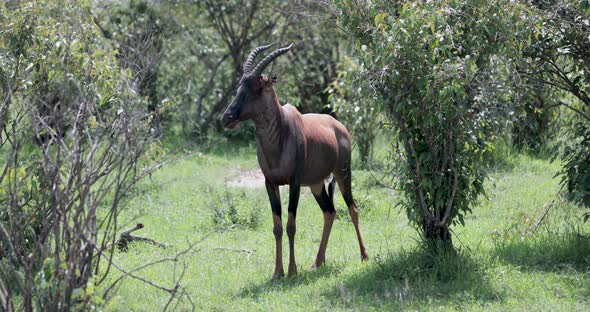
<point>252,178</point>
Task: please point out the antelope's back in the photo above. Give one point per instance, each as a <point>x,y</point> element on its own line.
<point>328,147</point>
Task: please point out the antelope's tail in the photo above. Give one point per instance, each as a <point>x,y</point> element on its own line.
<point>331,189</point>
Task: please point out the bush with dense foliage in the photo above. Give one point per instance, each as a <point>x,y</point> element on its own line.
<point>438,70</point>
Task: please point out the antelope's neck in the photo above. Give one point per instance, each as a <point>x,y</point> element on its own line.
<point>269,127</point>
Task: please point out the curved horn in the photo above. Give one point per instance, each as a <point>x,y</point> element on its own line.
<point>262,65</point>
<point>247,67</point>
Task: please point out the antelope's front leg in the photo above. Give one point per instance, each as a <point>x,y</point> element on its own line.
<point>275,203</point>
<point>291,228</point>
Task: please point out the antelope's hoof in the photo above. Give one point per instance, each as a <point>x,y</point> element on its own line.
<point>278,275</point>
<point>364,257</point>
<point>317,264</point>
<point>292,272</point>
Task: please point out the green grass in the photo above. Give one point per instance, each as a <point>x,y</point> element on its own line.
<point>500,264</point>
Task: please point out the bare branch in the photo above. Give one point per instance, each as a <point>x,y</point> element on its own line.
<point>176,258</point>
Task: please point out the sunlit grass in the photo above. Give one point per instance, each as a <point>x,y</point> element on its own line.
<point>500,264</point>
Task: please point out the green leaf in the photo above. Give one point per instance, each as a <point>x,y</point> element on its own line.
<point>379,18</point>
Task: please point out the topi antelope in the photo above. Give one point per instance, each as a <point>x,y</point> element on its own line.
<point>295,149</point>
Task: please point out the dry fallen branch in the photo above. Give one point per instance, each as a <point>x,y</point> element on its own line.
<point>125,238</point>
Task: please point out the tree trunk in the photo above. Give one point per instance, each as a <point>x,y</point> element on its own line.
<point>364,152</point>
<point>437,237</point>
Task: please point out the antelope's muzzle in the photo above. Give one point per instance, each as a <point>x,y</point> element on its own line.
<point>230,119</point>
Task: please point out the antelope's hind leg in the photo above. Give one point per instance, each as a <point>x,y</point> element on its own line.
<point>326,203</point>
<point>344,183</point>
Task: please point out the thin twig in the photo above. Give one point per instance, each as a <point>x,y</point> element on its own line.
<point>452,198</point>
<point>236,249</point>
<point>548,206</point>
<point>130,273</point>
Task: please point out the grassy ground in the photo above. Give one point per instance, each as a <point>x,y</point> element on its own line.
<point>501,263</point>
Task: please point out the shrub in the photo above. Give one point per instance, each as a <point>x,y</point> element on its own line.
<point>229,211</point>
<point>575,156</point>
<point>438,71</point>
<point>73,132</point>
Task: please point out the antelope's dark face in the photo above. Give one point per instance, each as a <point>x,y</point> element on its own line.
<point>252,94</point>
<point>248,102</point>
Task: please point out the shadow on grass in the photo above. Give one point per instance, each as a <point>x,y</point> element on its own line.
<point>415,277</point>
<point>561,252</point>
<point>302,278</point>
